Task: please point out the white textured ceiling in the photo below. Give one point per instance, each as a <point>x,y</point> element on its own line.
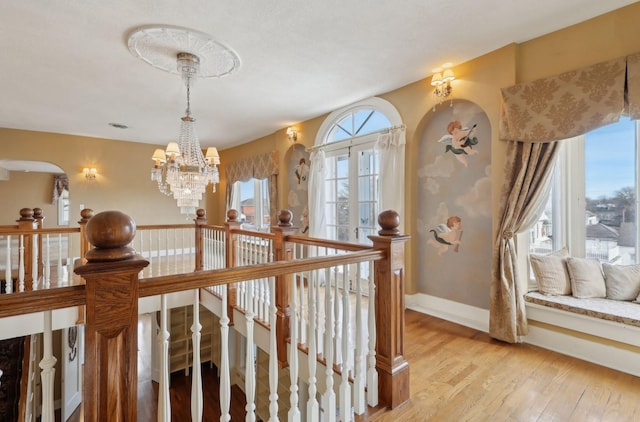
<point>66,67</point>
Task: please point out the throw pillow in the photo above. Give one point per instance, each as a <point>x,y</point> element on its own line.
<point>551,272</point>
<point>586,277</point>
<point>622,281</point>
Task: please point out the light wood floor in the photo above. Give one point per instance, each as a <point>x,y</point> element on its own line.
<point>460,374</point>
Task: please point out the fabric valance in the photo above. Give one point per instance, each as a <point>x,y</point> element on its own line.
<point>256,167</point>
<point>571,103</point>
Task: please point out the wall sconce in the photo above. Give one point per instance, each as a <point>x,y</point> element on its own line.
<point>441,79</point>
<point>89,173</point>
<point>292,134</point>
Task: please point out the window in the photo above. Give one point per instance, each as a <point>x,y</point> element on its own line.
<point>251,199</point>
<point>592,205</point>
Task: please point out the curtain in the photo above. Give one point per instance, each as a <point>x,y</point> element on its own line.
<point>60,183</point>
<point>264,166</point>
<point>317,176</point>
<point>390,147</point>
<point>525,189</point>
<point>534,116</point>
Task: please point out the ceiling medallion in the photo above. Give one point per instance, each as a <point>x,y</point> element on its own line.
<point>159,46</point>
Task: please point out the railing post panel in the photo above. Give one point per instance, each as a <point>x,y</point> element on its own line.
<point>200,220</point>
<point>111,275</point>
<point>27,222</point>
<point>283,251</point>
<point>86,215</point>
<point>231,224</point>
<point>393,368</point>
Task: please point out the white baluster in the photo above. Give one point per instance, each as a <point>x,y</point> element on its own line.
<point>167,261</point>
<point>303,309</point>
<point>59,263</point>
<point>372,372</point>
<point>294,412</point>
<point>34,262</point>
<point>329,397</point>
<point>47,364</point>
<point>225,378</point>
<point>164,402</point>
<point>250,367</point>
<point>150,266</point>
<point>273,356</point>
<point>158,250</point>
<point>196,374</point>
<point>338,316</point>
<point>47,263</point>
<point>345,390</point>
<point>7,269</point>
<point>21,264</point>
<point>313,408</point>
<point>359,403</point>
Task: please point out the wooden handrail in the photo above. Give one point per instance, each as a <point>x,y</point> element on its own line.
<point>164,226</point>
<point>176,283</point>
<point>17,231</point>
<point>334,244</point>
<point>68,296</point>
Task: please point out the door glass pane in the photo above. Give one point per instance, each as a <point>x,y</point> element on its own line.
<point>610,190</point>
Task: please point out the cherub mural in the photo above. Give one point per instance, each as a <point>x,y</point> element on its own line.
<point>304,220</point>
<point>449,234</point>
<point>302,173</point>
<point>460,141</point>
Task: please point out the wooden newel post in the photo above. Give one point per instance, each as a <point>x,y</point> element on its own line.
<point>393,368</point>
<point>86,215</point>
<point>200,220</point>
<point>283,251</point>
<point>27,222</point>
<point>111,341</point>
<point>39,217</point>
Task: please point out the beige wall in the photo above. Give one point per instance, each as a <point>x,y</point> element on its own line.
<point>479,80</point>
<point>123,180</point>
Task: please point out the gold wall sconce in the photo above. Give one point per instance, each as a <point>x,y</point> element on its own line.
<point>441,80</point>
<point>292,134</point>
<point>90,173</point>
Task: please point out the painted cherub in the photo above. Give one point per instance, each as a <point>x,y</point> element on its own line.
<point>460,141</point>
<point>449,234</point>
<point>302,171</point>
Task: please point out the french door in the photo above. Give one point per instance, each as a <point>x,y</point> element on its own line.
<point>351,193</point>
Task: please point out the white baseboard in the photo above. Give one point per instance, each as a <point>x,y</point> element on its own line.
<point>467,315</point>
<point>604,354</point>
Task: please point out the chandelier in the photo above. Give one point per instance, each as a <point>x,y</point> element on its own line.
<point>182,170</point>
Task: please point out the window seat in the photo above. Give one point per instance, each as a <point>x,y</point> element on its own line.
<point>605,318</point>
<point>620,311</point>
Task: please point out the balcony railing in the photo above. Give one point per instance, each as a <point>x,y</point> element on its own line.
<point>330,314</point>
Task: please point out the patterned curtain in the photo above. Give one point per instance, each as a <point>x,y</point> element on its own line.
<point>535,115</point>
<point>60,183</point>
<point>264,166</point>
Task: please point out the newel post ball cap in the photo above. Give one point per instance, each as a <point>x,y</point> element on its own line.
<point>284,218</point>
<point>26,214</point>
<point>232,215</point>
<point>389,220</point>
<point>200,213</point>
<point>110,229</point>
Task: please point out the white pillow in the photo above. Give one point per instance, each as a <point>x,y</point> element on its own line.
<point>551,272</point>
<point>586,277</point>
<point>622,281</point>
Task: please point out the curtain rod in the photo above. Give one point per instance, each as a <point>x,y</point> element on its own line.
<point>354,141</point>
